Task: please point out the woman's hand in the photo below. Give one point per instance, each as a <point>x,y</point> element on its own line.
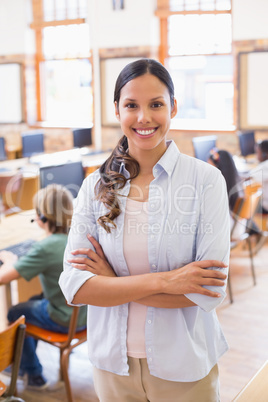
<point>193,277</point>
<point>95,262</point>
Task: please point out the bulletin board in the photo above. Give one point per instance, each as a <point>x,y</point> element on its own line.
<point>253,90</point>
<point>110,69</point>
<point>11,93</point>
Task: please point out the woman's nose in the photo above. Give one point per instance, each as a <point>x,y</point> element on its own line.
<point>144,115</point>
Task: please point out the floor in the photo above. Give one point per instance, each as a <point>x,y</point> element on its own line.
<point>245,324</point>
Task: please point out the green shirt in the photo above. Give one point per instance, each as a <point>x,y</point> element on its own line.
<point>45,259</point>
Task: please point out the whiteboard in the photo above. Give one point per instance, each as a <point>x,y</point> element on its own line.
<point>110,69</point>
<point>253,90</point>
<point>10,93</point>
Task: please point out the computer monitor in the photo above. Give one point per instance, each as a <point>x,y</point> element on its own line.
<point>82,137</point>
<point>203,145</point>
<point>70,175</point>
<point>3,155</point>
<point>32,143</point>
<point>247,142</point>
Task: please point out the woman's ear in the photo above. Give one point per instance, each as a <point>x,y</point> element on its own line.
<point>174,109</point>
<point>117,115</point>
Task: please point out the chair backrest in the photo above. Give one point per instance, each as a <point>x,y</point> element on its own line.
<point>11,343</point>
<point>70,175</point>
<point>246,207</point>
<point>3,154</point>
<point>82,137</point>
<point>32,143</point>
<point>11,185</point>
<point>202,145</point>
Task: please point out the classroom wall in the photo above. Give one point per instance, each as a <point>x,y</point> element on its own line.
<point>16,37</point>
<point>133,26</point>
<point>250,19</point>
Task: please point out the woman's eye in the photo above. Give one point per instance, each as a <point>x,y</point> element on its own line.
<point>157,104</point>
<point>131,105</point>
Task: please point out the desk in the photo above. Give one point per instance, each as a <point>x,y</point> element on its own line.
<point>257,388</point>
<point>15,229</point>
<point>245,165</point>
<point>30,169</point>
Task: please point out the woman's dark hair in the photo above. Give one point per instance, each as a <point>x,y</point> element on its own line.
<point>106,189</point>
<point>223,160</point>
<point>263,145</point>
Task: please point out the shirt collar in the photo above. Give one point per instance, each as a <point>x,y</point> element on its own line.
<point>167,161</point>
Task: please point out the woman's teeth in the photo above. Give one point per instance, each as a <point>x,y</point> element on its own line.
<point>145,132</point>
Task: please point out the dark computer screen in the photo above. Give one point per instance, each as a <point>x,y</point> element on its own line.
<point>82,137</point>
<point>3,155</point>
<point>202,146</point>
<point>247,142</point>
<point>70,175</point>
<point>32,143</point>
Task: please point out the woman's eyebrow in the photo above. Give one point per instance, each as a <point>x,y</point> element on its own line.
<point>134,100</point>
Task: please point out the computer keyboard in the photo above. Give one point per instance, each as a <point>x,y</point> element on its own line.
<point>20,249</point>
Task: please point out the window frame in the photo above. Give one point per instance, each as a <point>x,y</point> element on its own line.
<point>38,25</point>
<point>163,12</point>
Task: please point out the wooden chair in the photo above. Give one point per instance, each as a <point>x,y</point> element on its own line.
<point>244,210</point>
<point>256,389</point>
<point>11,343</point>
<point>65,342</point>
<point>3,387</point>
<point>10,193</point>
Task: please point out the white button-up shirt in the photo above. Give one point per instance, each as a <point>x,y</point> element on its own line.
<point>188,220</point>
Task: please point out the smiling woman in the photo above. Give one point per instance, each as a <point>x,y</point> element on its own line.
<point>155,246</point>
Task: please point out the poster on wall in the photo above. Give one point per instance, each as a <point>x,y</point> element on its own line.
<point>253,90</point>
<point>10,93</point>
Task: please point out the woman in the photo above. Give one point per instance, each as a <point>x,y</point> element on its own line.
<point>155,268</point>
<point>223,160</point>
<point>54,207</point>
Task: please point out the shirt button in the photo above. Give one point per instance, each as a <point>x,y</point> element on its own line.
<point>152,236</point>
<point>149,321</point>
<point>152,206</point>
<point>153,266</point>
<point>150,359</point>
<point>149,350</point>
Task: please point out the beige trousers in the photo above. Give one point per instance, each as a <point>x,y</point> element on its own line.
<point>141,386</point>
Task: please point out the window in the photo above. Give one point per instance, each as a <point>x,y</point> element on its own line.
<point>64,9</point>
<point>64,67</point>
<point>197,50</point>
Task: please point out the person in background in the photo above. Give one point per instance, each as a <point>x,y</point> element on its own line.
<point>148,253</point>
<point>54,208</point>
<point>260,173</point>
<point>223,160</point>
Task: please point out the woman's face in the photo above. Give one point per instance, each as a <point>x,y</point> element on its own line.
<point>145,112</point>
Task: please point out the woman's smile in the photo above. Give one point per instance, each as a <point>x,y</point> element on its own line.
<point>145,132</point>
